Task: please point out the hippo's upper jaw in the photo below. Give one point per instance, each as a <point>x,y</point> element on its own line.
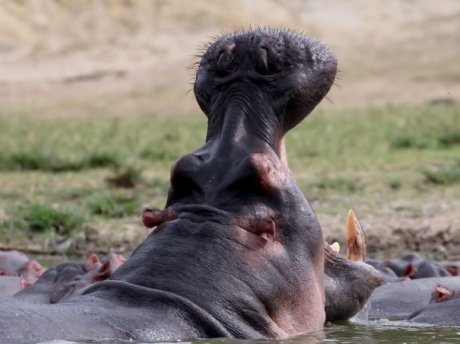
<point>263,82</point>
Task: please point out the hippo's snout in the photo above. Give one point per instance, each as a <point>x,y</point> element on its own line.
<point>281,74</point>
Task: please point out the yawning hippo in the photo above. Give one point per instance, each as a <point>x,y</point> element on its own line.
<point>237,251</point>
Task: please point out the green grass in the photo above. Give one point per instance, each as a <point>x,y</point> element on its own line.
<point>42,217</point>
<point>447,175</point>
<point>113,204</point>
<point>341,184</point>
<point>125,177</point>
<point>38,161</point>
<point>365,159</point>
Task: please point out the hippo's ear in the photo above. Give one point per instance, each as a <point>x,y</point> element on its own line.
<point>410,271</point>
<point>93,260</point>
<point>452,269</point>
<point>104,272</point>
<point>26,283</point>
<point>440,294</point>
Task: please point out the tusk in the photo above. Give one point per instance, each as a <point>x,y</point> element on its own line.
<point>356,244</point>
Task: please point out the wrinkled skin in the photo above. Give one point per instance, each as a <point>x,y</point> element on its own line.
<point>233,212</point>
<point>398,300</point>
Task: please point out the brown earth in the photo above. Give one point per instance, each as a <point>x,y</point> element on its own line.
<point>114,57</point>
<point>64,57</point>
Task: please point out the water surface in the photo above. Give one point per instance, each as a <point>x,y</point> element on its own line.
<point>379,331</point>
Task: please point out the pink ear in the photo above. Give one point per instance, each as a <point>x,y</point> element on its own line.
<point>93,259</point>
<point>104,273</point>
<point>25,283</point>
<point>31,268</point>
<point>440,294</point>
<point>152,217</point>
<point>410,271</point>
<point>452,269</point>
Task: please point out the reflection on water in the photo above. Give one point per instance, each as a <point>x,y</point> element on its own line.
<point>379,331</point>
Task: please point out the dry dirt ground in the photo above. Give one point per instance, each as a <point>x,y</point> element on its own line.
<point>114,57</point>
<point>64,58</point>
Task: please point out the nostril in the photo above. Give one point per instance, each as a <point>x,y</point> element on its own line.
<point>262,63</point>
<point>225,58</point>
<point>308,55</point>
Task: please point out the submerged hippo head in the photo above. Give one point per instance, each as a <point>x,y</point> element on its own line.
<point>237,235</point>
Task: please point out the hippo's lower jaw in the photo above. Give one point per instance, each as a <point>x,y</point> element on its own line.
<point>348,285</point>
<point>348,282</point>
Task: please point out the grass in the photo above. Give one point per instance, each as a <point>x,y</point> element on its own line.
<point>341,184</point>
<point>446,175</point>
<point>125,177</point>
<point>112,204</point>
<point>42,217</point>
<point>430,128</point>
<point>36,160</point>
<point>67,173</point>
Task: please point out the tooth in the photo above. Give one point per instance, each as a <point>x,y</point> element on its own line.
<point>335,247</point>
<point>356,244</point>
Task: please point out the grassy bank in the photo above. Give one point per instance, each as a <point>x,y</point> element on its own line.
<point>88,178</point>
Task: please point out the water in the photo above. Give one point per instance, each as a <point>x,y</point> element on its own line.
<point>379,331</point>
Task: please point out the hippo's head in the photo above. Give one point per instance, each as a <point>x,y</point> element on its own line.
<point>263,82</point>
<point>237,237</point>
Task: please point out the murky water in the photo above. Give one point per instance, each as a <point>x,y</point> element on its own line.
<point>380,331</point>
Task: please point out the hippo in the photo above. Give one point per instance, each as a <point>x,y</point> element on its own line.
<point>10,285</point>
<point>16,263</point>
<point>70,279</point>
<point>411,266</point>
<point>400,299</point>
<point>237,250</point>
<point>442,310</point>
